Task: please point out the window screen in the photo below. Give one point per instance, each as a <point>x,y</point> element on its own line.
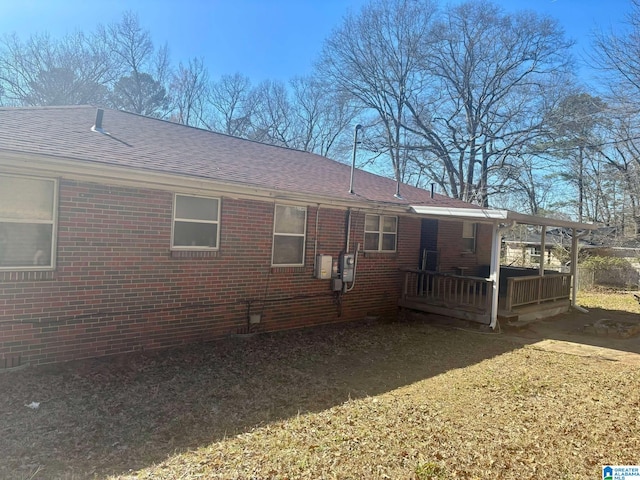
<point>27,222</point>
<point>196,224</point>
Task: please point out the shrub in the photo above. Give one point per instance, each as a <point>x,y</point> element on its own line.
<point>611,271</point>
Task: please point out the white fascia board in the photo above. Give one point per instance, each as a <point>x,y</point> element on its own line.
<point>475,214</point>
<point>488,215</point>
<point>549,222</point>
<point>75,169</point>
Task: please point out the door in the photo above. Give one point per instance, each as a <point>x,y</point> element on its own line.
<point>428,245</point>
<point>428,253</point>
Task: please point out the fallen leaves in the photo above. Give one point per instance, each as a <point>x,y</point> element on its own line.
<point>404,400</point>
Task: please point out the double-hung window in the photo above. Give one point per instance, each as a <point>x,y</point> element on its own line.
<point>468,237</point>
<point>196,223</point>
<point>289,230</point>
<point>380,233</point>
<point>27,223</point>
<point>535,254</point>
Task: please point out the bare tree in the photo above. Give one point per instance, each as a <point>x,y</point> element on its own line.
<point>231,104</point>
<point>141,88</point>
<point>622,155</point>
<point>617,54</point>
<point>273,115</point>
<point>375,57</point>
<point>40,71</point>
<point>528,186</point>
<point>322,117</point>
<point>574,127</point>
<point>190,93</point>
<point>307,114</point>
<point>461,94</point>
<point>116,66</point>
<point>492,76</point>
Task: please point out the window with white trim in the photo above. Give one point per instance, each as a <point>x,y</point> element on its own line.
<point>380,233</point>
<point>196,223</point>
<point>469,237</point>
<point>289,232</point>
<point>535,254</point>
<point>27,223</point>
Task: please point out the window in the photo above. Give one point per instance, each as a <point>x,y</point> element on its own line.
<point>196,224</point>
<point>27,223</point>
<point>468,237</point>
<point>289,230</point>
<point>380,233</point>
<point>534,254</point>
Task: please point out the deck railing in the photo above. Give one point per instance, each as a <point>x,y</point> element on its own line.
<point>537,289</point>
<point>448,289</point>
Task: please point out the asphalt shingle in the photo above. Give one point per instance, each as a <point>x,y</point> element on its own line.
<point>150,144</point>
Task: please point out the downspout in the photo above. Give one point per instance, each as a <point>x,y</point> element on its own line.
<point>346,250</point>
<point>355,269</point>
<point>346,247</point>
<point>574,269</point>
<point>315,243</point>
<point>494,271</point>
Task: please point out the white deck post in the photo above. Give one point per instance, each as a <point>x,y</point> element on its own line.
<point>494,272</point>
<point>574,266</point>
<point>543,249</point>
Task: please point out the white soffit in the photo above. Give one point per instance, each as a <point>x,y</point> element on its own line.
<point>476,214</point>
<point>490,216</point>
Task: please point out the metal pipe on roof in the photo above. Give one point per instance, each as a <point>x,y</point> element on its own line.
<point>397,194</point>
<point>99,115</point>
<point>353,160</point>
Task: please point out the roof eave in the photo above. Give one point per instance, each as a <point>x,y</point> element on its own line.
<point>78,169</point>
<point>488,215</point>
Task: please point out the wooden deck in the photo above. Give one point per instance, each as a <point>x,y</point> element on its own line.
<point>469,298</point>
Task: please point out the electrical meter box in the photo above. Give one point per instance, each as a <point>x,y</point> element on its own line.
<point>347,267</point>
<point>323,267</point>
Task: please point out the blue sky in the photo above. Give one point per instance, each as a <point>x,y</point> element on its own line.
<point>262,39</point>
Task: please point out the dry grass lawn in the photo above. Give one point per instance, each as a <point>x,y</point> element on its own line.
<point>400,401</point>
<point>610,300</point>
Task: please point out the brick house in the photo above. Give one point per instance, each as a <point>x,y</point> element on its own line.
<point>121,233</point>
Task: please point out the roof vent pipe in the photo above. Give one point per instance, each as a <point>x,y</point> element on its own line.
<point>353,160</point>
<point>98,125</point>
<point>433,186</point>
<point>397,194</point>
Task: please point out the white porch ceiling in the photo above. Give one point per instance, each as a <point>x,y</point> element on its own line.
<point>489,215</point>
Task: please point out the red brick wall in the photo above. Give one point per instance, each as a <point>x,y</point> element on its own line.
<point>450,248</point>
<point>117,288</point>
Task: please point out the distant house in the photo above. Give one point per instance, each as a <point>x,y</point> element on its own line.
<point>522,247</point>
<point>121,233</point>
<point>612,242</point>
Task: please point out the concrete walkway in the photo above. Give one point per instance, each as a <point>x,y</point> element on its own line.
<point>570,333</point>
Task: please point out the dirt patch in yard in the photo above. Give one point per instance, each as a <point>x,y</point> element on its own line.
<point>401,400</point>
<point>602,332</point>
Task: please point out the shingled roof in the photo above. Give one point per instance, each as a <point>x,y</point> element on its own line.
<point>148,144</point>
